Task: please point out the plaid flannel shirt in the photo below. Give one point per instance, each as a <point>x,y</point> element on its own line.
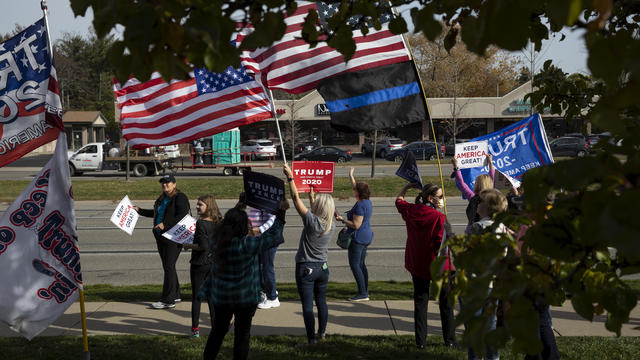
<point>237,282</point>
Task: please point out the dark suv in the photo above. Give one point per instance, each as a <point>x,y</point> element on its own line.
<point>568,146</point>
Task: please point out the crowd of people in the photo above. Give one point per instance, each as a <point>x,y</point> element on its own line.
<point>232,259</point>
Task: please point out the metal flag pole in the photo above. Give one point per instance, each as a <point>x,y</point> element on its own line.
<point>83,315</point>
<point>435,141</point>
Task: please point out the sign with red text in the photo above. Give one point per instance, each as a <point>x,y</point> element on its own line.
<point>316,174</point>
<point>183,231</point>
<point>471,154</point>
<point>124,216</point>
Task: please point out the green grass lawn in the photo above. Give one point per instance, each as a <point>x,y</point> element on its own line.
<point>221,188</point>
<point>137,347</point>
<point>378,290</point>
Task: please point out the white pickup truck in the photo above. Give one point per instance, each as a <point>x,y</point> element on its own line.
<point>96,157</point>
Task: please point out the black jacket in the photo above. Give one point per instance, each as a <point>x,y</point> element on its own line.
<point>176,209</point>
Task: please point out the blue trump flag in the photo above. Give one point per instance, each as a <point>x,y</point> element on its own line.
<point>515,149</point>
<point>408,170</point>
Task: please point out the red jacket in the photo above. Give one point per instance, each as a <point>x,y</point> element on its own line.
<point>424,235</point>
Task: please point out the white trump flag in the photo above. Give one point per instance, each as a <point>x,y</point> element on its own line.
<point>39,256</point>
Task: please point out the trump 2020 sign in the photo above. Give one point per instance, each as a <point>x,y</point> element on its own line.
<point>316,174</point>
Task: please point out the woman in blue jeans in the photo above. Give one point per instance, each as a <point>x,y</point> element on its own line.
<point>312,272</point>
<point>358,222</point>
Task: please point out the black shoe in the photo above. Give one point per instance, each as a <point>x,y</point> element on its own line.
<point>420,347</point>
<point>455,345</point>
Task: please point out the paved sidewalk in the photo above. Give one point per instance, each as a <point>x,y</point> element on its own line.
<point>365,318</point>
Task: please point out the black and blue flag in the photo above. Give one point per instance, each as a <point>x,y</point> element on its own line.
<point>374,99</point>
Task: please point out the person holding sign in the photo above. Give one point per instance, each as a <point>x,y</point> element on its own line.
<point>234,285</point>
<point>358,223</point>
<point>312,272</point>
<point>483,182</point>
<point>201,260</point>
<point>168,210</point>
<point>425,225</point>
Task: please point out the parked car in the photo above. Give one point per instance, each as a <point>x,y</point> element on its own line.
<point>594,139</point>
<point>298,148</point>
<point>383,146</point>
<point>258,149</point>
<point>568,146</point>
<point>422,150</point>
<point>325,153</point>
<point>450,148</point>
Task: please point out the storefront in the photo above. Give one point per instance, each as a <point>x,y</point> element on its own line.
<point>309,118</point>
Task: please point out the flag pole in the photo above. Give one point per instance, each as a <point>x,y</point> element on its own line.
<point>424,94</point>
<point>275,116</point>
<point>83,315</point>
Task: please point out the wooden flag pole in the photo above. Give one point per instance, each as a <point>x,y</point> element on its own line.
<point>85,340</point>
<point>435,141</point>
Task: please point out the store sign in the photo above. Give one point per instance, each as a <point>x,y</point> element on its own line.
<point>322,110</point>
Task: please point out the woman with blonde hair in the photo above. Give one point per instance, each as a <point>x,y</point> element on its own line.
<point>482,182</point>
<point>208,217</point>
<point>312,272</point>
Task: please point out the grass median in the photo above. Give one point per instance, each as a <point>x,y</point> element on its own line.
<point>378,290</point>
<point>221,188</point>
<point>161,347</point>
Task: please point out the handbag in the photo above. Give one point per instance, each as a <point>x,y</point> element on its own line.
<point>344,238</point>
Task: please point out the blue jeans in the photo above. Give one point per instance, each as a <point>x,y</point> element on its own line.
<point>357,255</point>
<point>545,334</point>
<point>268,273</point>
<point>491,353</point>
<point>312,283</point>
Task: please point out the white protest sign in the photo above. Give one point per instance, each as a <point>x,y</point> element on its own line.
<point>471,154</point>
<point>183,231</point>
<point>125,217</point>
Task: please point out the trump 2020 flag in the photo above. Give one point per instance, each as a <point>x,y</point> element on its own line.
<point>378,98</point>
<point>408,170</point>
<point>39,256</point>
<point>158,113</point>
<point>516,148</point>
<point>30,112</point>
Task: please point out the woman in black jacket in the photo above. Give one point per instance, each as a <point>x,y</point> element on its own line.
<point>167,211</point>
<point>201,259</point>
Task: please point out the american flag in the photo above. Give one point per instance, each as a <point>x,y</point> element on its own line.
<point>291,65</point>
<point>157,113</point>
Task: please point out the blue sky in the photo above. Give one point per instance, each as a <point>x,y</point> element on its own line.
<point>570,54</point>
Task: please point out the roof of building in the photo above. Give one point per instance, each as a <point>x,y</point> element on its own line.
<point>84,117</point>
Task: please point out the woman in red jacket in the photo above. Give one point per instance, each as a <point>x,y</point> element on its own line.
<point>425,225</point>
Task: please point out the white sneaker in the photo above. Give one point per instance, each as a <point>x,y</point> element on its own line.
<point>161,305</point>
<point>268,304</point>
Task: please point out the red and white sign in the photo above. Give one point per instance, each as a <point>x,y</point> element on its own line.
<point>316,174</point>
<point>124,216</point>
<point>471,154</point>
<point>183,231</point>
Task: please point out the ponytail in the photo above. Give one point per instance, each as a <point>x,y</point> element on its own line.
<point>427,190</point>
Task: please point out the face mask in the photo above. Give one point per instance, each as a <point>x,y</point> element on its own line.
<point>441,203</point>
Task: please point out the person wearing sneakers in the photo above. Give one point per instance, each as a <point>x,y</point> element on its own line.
<point>167,211</point>
<point>261,221</point>
<point>425,226</point>
<point>312,272</point>
<point>358,223</point>
<point>201,258</point>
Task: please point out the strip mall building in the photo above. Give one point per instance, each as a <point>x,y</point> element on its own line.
<point>485,115</point>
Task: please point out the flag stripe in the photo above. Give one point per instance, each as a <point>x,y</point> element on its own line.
<point>291,65</point>
<point>374,97</point>
<point>159,113</point>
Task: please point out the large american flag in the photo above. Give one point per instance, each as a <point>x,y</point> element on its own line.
<point>291,65</point>
<point>159,113</point>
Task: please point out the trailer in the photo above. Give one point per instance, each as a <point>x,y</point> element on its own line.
<point>218,161</point>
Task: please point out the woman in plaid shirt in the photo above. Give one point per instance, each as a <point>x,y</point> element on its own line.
<point>234,284</point>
